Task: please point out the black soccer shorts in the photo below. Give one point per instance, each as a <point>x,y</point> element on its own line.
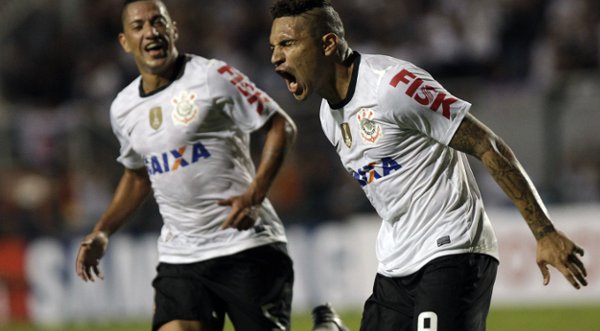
<point>450,293</point>
<point>253,287</point>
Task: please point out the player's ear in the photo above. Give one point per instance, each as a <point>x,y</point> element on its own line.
<point>124,43</point>
<point>330,43</point>
<point>175,31</point>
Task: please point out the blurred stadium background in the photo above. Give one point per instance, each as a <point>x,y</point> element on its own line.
<point>529,67</point>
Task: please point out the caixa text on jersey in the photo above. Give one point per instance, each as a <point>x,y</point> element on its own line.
<point>175,159</point>
<point>375,170</point>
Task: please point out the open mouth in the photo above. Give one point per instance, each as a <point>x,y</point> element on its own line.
<point>156,48</point>
<point>290,81</point>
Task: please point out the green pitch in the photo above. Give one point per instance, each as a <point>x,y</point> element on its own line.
<point>549,319</point>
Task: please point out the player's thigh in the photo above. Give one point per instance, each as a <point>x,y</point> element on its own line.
<point>258,295</point>
<point>181,298</point>
<point>390,306</point>
<point>454,293</point>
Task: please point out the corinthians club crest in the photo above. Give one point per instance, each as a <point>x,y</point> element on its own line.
<point>370,131</point>
<point>185,108</point>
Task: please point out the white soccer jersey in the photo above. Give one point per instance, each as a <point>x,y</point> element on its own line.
<point>193,138</point>
<point>392,134</point>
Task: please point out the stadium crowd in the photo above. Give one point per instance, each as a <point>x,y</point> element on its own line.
<point>61,66</point>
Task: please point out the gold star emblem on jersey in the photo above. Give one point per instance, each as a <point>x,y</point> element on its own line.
<point>345,127</point>
<point>155,117</point>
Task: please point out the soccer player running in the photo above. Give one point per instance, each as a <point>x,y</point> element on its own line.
<point>404,138</point>
<point>184,126</point>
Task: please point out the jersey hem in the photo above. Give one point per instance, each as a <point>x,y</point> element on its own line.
<point>219,252</point>
<point>418,267</point>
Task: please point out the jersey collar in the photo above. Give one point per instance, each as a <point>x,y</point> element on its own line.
<point>354,57</point>
<point>177,73</point>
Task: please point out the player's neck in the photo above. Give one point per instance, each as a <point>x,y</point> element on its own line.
<point>152,81</point>
<point>338,87</point>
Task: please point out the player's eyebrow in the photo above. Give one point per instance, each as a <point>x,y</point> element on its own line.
<point>152,19</point>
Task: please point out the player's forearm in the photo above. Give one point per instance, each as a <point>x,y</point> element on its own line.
<point>280,137</point>
<point>514,181</point>
<point>134,187</point>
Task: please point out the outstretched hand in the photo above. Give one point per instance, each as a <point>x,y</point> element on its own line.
<point>91,250</point>
<point>243,213</point>
<point>560,252</point>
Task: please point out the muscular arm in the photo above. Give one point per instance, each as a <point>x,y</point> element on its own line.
<point>281,134</point>
<point>132,190</point>
<point>474,138</point>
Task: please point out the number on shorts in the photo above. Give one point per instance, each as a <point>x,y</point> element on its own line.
<point>427,321</point>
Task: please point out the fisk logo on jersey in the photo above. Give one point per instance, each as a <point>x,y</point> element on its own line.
<point>175,159</point>
<point>246,88</point>
<point>375,170</point>
<point>424,94</point>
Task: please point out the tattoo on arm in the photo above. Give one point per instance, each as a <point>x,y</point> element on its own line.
<point>476,139</point>
<point>511,177</point>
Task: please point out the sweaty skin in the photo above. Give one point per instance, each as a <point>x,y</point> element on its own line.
<point>149,36</point>
<point>305,61</point>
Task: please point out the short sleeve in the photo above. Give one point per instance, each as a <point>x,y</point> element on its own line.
<point>419,102</point>
<point>327,121</point>
<point>248,106</point>
<point>127,155</point>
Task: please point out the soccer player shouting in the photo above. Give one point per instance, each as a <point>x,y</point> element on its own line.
<point>404,138</point>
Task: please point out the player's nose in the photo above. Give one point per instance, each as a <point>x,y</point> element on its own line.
<point>277,56</point>
<point>150,30</point>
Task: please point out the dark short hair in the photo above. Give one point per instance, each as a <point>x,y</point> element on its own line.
<point>321,12</point>
<point>283,8</point>
<point>127,2</point>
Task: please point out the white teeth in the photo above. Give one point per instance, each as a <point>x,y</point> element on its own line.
<point>153,46</point>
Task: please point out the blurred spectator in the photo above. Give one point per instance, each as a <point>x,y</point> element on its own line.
<point>581,178</point>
